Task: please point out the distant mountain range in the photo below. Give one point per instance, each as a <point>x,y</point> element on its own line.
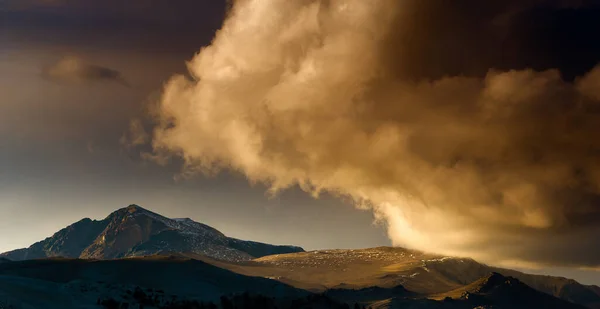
<point>135,231</point>
<point>136,258</point>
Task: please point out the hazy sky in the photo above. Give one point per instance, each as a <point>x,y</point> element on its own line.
<point>342,96</point>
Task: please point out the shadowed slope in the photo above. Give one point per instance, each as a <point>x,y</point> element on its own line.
<point>175,275</point>
<point>493,291</point>
<point>498,291</point>
<point>70,241</point>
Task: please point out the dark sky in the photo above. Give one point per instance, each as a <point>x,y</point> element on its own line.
<point>73,74</point>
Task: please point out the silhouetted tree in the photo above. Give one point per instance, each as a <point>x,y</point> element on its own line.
<point>110,304</point>
<point>226,303</point>
<point>211,305</point>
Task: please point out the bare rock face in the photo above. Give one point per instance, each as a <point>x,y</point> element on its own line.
<point>135,231</point>
<point>126,228</point>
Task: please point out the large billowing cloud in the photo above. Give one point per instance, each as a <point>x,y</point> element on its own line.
<point>459,148</point>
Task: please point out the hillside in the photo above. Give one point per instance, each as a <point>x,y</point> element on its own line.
<point>135,231</point>
<point>422,273</point>
<point>464,271</point>
<point>498,291</point>
<point>493,291</point>
<point>68,283</point>
<point>350,269</point>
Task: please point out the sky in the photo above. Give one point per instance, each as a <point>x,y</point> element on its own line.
<point>74,75</point>
<point>464,128</point>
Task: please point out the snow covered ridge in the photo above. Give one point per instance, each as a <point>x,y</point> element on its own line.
<point>135,231</point>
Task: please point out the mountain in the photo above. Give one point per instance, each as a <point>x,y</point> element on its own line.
<point>491,291</point>
<point>135,231</point>
<point>468,270</point>
<point>498,291</point>
<point>422,273</point>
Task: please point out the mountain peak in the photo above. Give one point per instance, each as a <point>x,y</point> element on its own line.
<point>134,208</point>
<point>492,281</point>
<point>135,231</point>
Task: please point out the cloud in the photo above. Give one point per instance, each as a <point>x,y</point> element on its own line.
<point>488,159</point>
<point>136,135</point>
<point>73,69</point>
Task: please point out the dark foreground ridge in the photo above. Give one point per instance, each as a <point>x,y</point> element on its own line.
<point>171,282</point>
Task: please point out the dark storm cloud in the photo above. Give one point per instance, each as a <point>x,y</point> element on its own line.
<point>469,127</point>
<point>438,38</point>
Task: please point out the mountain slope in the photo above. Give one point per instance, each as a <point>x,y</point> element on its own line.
<point>368,295</point>
<point>426,274</point>
<point>499,291</point>
<point>464,271</point>
<point>69,283</point>
<point>350,269</point>
<point>492,291</point>
<point>68,242</point>
<point>135,231</point>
